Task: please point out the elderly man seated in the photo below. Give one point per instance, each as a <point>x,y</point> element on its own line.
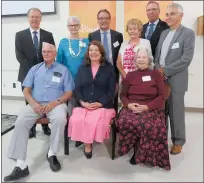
<point>48,86</point>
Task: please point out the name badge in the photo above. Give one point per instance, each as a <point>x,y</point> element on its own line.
<point>116,44</point>
<point>146,78</point>
<point>175,45</point>
<point>56,79</point>
<point>82,44</point>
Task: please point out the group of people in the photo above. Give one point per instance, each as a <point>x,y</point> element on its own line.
<point>85,76</point>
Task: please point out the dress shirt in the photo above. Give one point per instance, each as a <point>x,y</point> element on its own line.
<point>109,43</point>
<point>38,34</point>
<point>155,25</point>
<point>48,84</point>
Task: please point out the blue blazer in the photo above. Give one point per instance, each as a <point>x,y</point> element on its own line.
<point>100,89</point>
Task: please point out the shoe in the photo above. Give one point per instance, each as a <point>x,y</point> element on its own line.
<point>32,132</point>
<point>46,129</point>
<point>87,154</point>
<point>132,160</point>
<point>54,163</point>
<point>16,174</point>
<point>78,143</point>
<point>176,149</point>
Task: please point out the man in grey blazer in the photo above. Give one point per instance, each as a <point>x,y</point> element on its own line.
<point>174,54</point>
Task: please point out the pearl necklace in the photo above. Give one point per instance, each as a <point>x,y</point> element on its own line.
<point>73,54</point>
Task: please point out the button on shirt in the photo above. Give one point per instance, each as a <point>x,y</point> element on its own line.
<point>109,43</point>
<point>48,84</point>
<point>155,25</point>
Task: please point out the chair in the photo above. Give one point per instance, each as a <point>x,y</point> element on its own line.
<point>45,120</point>
<point>114,129</point>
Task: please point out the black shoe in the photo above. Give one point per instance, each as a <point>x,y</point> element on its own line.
<point>132,160</point>
<point>54,163</point>
<point>46,129</point>
<point>16,174</point>
<point>78,143</point>
<point>87,154</point>
<point>32,132</point>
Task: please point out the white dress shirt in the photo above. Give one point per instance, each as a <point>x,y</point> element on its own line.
<point>32,34</point>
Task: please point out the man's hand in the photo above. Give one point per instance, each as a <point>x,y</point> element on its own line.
<point>140,108</point>
<point>37,108</point>
<point>161,70</point>
<point>47,108</point>
<point>132,106</point>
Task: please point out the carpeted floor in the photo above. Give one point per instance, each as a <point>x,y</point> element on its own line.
<point>7,123</point>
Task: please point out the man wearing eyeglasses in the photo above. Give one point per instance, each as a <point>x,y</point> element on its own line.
<point>174,54</point>
<point>153,29</point>
<point>28,47</point>
<point>110,39</point>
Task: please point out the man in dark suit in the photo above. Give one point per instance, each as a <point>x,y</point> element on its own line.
<point>110,39</point>
<point>153,29</point>
<point>28,47</point>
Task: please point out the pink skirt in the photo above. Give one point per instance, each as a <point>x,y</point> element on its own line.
<point>89,125</point>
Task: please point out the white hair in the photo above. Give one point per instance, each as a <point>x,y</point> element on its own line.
<point>149,54</point>
<point>73,19</point>
<point>177,6</point>
<point>51,46</point>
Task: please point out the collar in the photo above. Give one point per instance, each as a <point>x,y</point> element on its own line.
<point>155,23</point>
<point>143,70</point>
<point>52,65</point>
<point>108,31</point>
<point>31,30</point>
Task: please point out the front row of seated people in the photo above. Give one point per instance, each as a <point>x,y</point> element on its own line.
<point>49,86</point>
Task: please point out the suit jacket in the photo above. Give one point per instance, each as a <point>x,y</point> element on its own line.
<point>115,36</point>
<point>161,26</point>
<point>25,50</point>
<point>178,57</point>
<point>101,88</point>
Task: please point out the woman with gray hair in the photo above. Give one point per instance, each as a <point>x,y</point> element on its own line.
<point>71,51</point>
<point>141,121</point>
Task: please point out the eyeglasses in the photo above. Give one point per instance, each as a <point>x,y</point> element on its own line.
<point>103,18</point>
<point>153,9</point>
<point>73,26</point>
<point>171,14</point>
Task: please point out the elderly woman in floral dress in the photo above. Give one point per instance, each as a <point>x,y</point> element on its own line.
<point>141,122</point>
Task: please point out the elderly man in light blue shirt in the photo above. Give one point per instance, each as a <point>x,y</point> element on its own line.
<point>48,86</point>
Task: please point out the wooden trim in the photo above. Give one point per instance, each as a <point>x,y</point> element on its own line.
<point>194,109</point>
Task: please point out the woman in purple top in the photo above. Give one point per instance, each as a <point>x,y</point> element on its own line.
<point>141,122</point>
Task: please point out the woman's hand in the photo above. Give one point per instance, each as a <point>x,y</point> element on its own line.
<point>86,105</point>
<point>132,106</point>
<point>91,106</point>
<point>141,108</point>
<point>96,105</point>
<point>123,75</point>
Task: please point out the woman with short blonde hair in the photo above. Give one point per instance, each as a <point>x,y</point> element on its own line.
<point>125,61</point>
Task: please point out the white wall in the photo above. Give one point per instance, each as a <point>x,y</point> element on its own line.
<point>57,25</point>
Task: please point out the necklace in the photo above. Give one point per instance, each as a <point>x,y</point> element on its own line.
<point>73,54</point>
